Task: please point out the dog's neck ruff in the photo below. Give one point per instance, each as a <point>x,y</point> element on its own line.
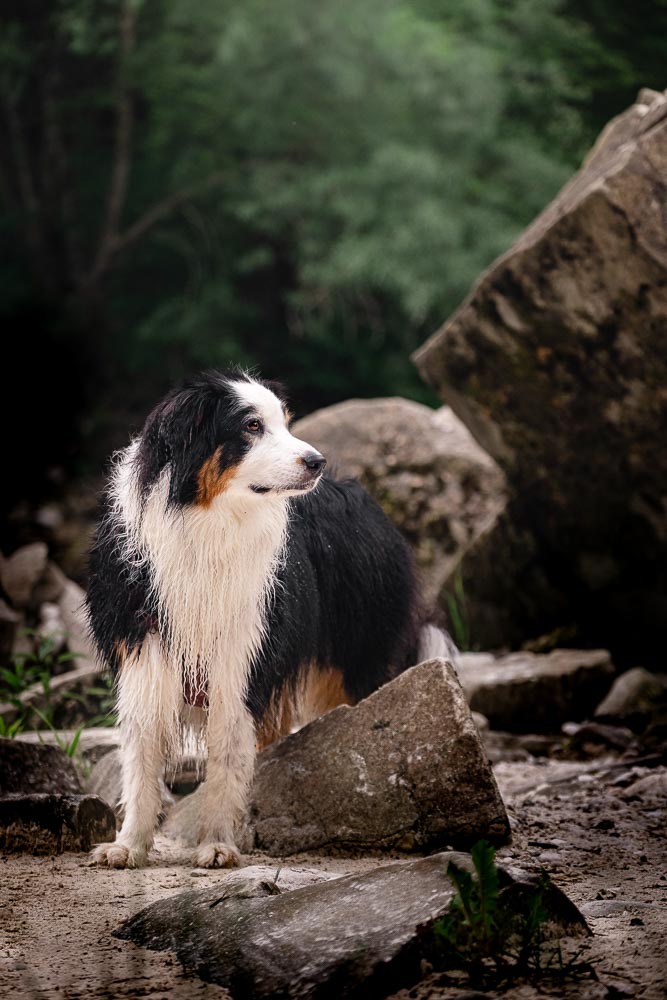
<point>212,573</point>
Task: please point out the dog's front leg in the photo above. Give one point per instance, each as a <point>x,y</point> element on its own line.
<point>148,705</point>
<point>231,758</point>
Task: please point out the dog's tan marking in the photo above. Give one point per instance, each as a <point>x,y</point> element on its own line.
<point>278,721</point>
<point>318,690</point>
<point>120,650</point>
<point>321,690</point>
<point>210,481</point>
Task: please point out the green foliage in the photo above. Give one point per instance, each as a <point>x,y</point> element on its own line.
<point>491,943</point>
<point>307,187</point>
<point>11,729</point>
<point>457,608</point>
<point>105,692</point>
<point>37,665</point>
<point>67,746</point>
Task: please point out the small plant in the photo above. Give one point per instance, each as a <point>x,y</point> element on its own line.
<point>105,691</point>
<point>67,746</point>
<point>492,943</point>
<point>11,729</point>
<point>459,620</point>
<point>38,665</point>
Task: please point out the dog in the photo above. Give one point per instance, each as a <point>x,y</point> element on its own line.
<point>237,591</point>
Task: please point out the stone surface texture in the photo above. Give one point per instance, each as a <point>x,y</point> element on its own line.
<point>556,362</point>
<point>635,697</point>
<point>21,572</point>
<point>363,935</point>
<point>532,692</point>
<point>26,768</point>
<point>40,823</point>
<point>404,768</point>
<point>424,468</point>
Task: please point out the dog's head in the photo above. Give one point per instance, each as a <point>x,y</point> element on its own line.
<point>225,433</point>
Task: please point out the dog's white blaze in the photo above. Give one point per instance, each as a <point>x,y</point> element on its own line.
<point>212,572</point>
<point>274,459</point>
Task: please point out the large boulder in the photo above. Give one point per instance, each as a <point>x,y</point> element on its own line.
<point>404,769</point>
<point>424,468</point>
<point>358,936</point>
<point>556,362</point>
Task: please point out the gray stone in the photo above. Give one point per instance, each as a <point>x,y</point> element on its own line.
<point>591,738</point>
<point>424,468</point>
<point>20,573</point>
<point>51,626</point>
<point>635,697</point>
<point>532,692</point>
<point>51,824</point>
<point>27,768</point>
<point>404,769</point>
<point>105,781</point>
<point>9,621</point>
<point>72,609</point>
<point>51,586</point>
<point>556,364</point>
<point>357,936</point>
<point>651,786</point>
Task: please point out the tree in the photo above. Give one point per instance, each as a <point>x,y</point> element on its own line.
<point>310,187</point>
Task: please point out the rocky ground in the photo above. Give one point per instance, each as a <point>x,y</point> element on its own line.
<point>585,798</point>
<point>597,827</point>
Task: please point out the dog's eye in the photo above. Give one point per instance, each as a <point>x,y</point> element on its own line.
<point>254,425</point>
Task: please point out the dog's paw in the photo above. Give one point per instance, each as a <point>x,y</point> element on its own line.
<point>217,856</point>
<point>117,856</point>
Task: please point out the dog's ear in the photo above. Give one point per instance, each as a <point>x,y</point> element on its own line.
<point>176,433</point>
<point>277,388</point>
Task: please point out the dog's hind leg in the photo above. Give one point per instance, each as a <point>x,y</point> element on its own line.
<point>148,705</point>
<point>229,770</point>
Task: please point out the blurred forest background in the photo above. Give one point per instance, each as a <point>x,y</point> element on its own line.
<point>309,187</point>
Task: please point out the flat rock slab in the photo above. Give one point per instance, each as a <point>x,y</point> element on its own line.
<point>535,693</point>
<point>404,769</point>
<point>27,768</point>
<point>51,824</point>
<point>357,936</point>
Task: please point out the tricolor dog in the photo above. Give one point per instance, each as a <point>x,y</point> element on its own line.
<point>237,591</point>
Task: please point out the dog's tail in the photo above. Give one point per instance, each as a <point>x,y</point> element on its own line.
<point>436,643</point>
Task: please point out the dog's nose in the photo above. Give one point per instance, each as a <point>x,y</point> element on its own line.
<point>313,461</point>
